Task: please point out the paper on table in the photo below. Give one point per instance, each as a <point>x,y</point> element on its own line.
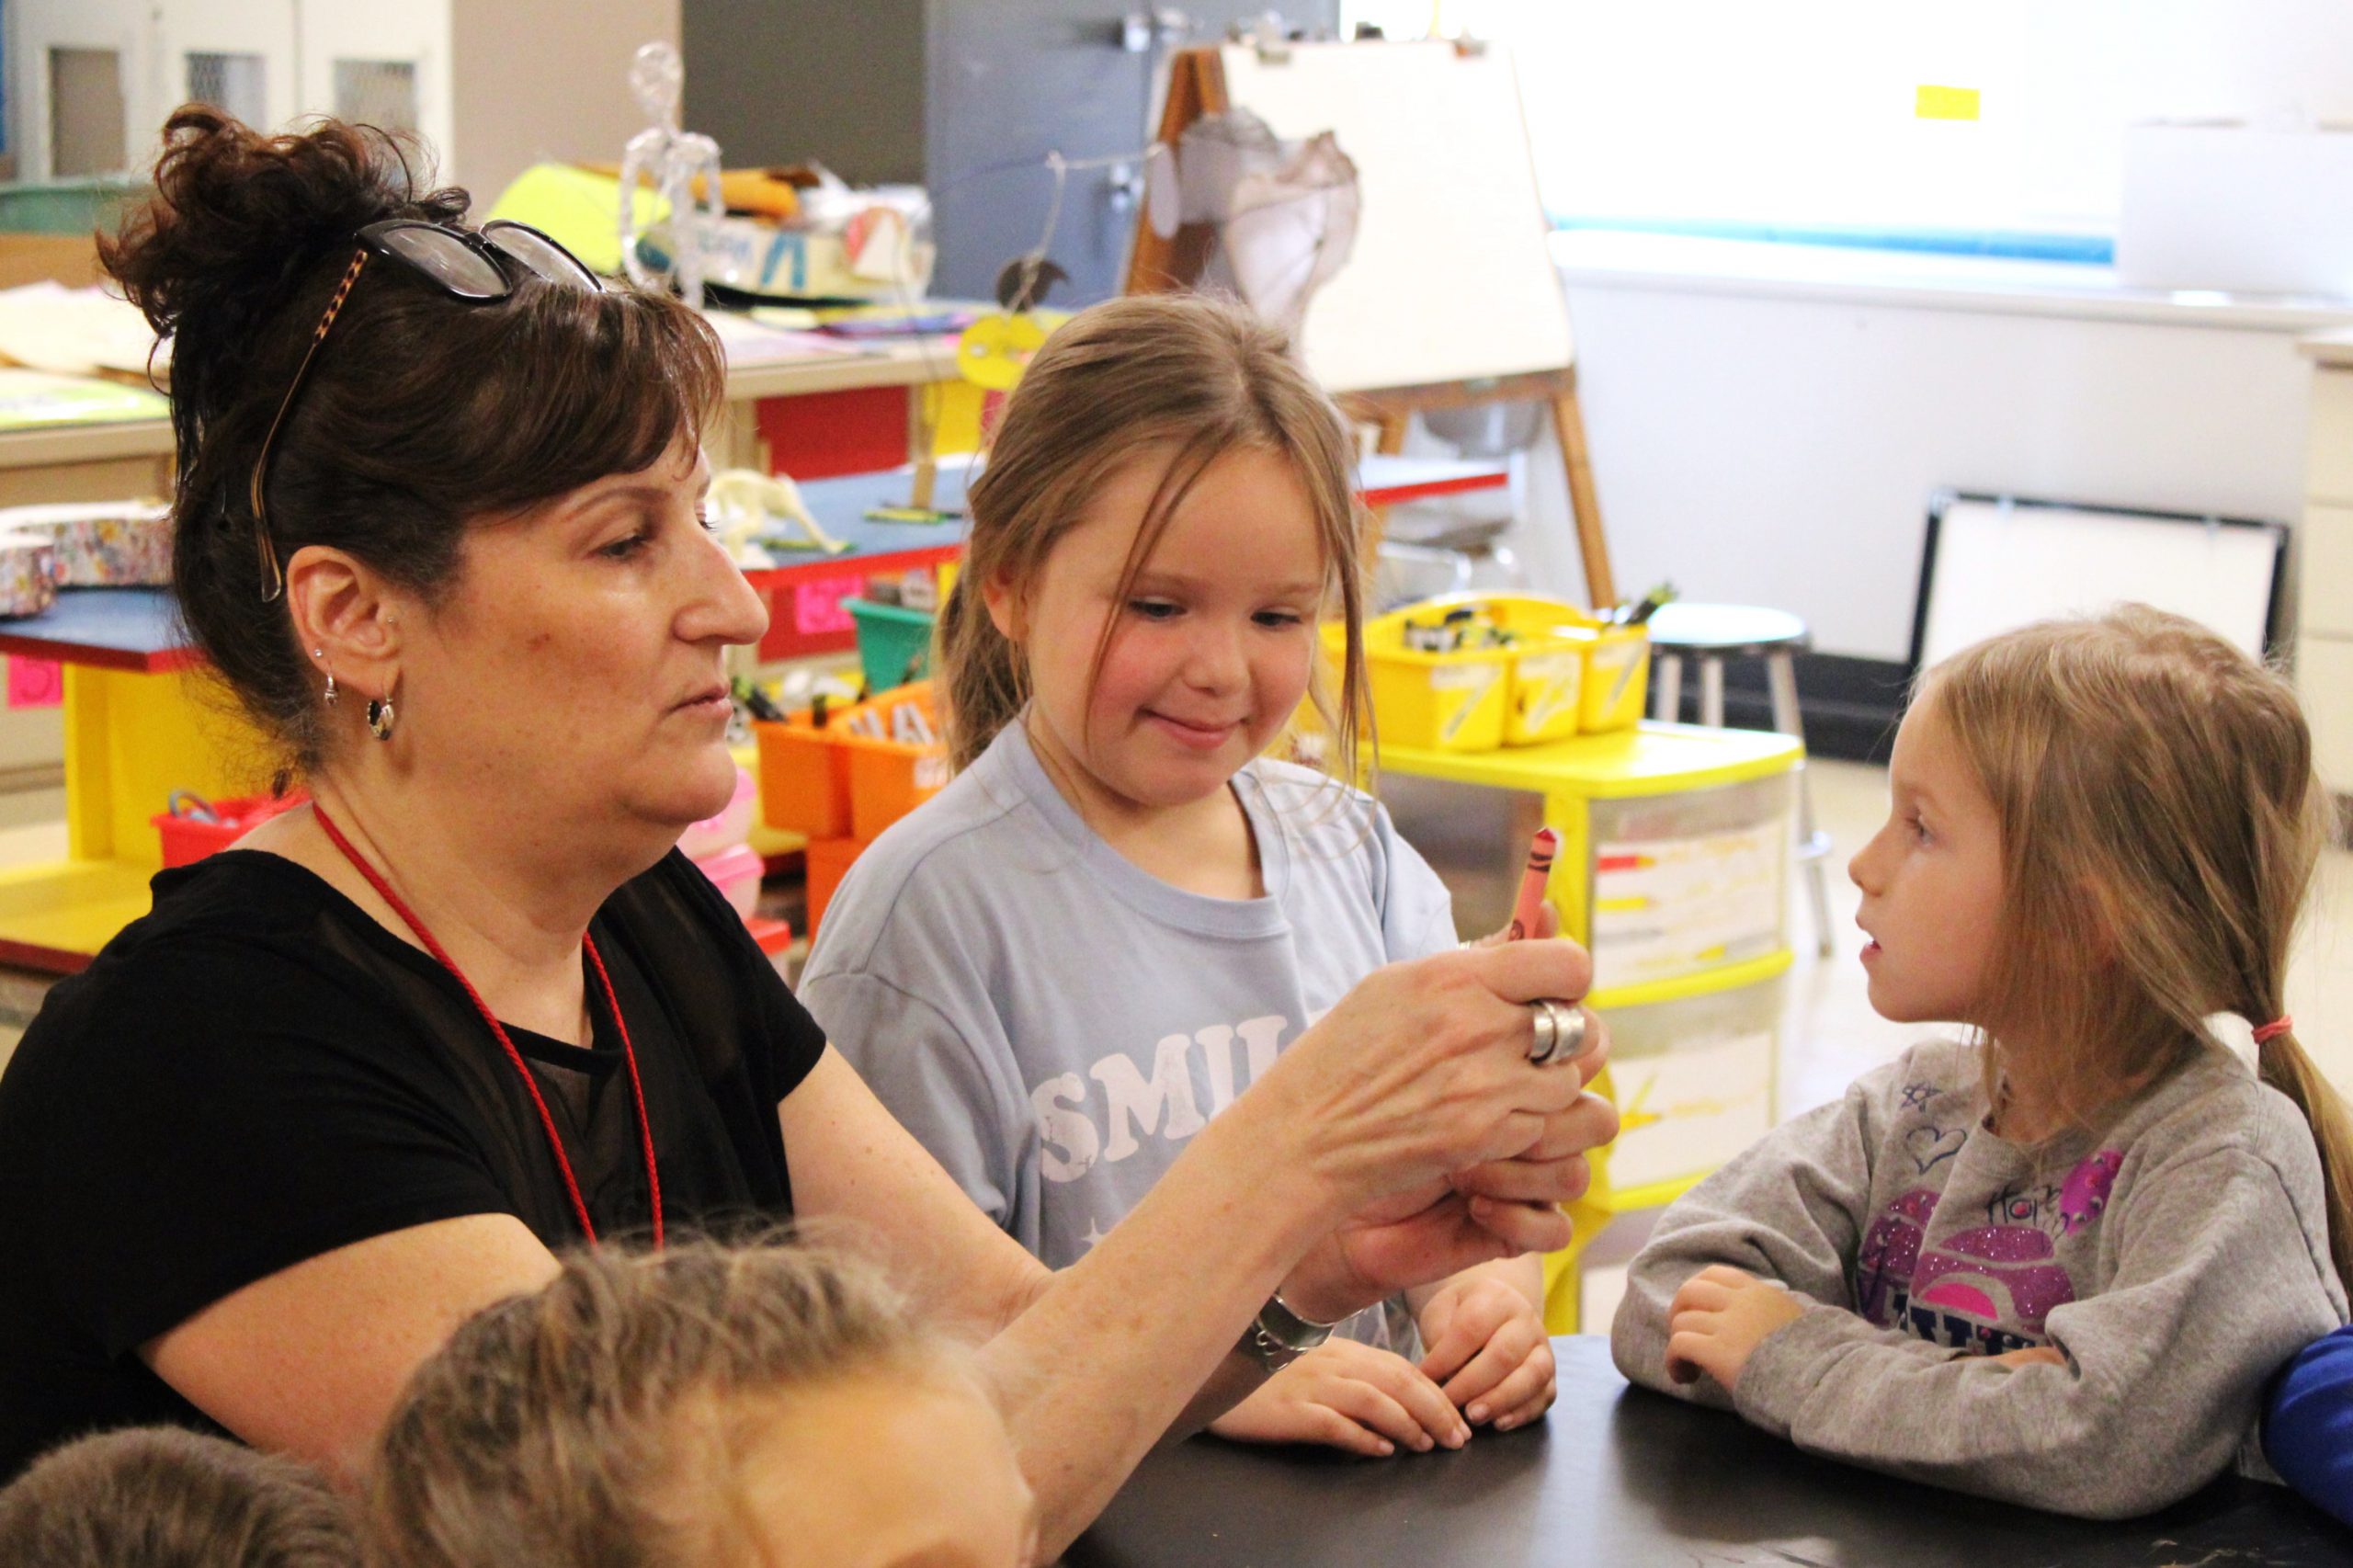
<point>76,331</point>
<point>751,343</point>
<point>34,399</point>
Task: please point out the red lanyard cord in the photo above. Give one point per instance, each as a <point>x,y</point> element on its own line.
<point>530,1084</point>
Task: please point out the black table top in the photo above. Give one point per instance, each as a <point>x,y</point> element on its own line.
<point>1616,1475</point>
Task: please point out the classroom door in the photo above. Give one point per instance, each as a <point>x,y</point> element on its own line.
<point>1008,81</point>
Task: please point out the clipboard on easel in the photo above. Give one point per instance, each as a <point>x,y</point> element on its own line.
<point>1450,297</point>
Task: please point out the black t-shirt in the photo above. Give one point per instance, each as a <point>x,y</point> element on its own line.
<point>258,1072</point>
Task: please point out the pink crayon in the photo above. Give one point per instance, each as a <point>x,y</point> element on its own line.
<point>1541,850</point>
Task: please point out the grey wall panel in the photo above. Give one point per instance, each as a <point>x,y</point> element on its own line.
<point>782,81</point>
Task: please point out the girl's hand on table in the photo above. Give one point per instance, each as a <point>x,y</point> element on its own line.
<point>1351,1396</point>
<point>1488,1348</point>
<point>1719,1318</point>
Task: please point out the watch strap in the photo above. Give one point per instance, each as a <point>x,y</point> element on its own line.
<point>1278,1335</point>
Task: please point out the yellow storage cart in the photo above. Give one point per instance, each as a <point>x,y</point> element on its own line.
<point>1673,870</point>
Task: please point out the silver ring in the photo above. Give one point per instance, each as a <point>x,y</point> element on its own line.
<point>1559,1031</point>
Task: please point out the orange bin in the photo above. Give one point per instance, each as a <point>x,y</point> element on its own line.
<point>804,776</point>
<point>889,775</point>
<point>826,860</point>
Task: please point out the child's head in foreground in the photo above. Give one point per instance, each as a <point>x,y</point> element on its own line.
<point>2102,833</point>
<point>163,1497</point>
<point>701,1406</point>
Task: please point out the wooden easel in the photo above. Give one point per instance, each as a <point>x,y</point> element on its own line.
<point>1198,87</point>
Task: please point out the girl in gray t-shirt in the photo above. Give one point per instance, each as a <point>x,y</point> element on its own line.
<point>1119,912</point>
<point>2054,1264</point>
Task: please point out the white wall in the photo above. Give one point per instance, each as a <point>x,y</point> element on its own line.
<point>2246,58</point>
<point>1780,452</point>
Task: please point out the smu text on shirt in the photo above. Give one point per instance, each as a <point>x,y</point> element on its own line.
<point>1181,1081</point>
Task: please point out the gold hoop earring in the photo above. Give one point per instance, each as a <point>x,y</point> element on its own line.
<point>380,718</point>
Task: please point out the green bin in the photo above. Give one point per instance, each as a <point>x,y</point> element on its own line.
<point>894,642</point>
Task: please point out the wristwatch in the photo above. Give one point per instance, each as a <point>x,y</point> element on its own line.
<point>1278,1335</point>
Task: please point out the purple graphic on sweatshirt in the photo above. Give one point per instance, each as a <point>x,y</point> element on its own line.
<point>1986,1288</point>
<point>1993,1274</point>
<point>1890,1248</point>
<point>2087,1189</point>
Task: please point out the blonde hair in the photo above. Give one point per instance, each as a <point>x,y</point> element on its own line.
<point>2161,824</point>
<point>613,1416</point>
<point>164,1498</point>
<point>1201,374</point>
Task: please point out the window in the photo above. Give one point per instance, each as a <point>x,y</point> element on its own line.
<point>377,91</point>
<point>232,83</point>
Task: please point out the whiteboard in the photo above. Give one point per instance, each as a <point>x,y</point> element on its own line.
<point>1451,278</point>
<point>1995,564</point>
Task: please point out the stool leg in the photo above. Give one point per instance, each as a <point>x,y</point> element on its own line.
<point>1666,697</point>
<point>1813,845</point>
<point>1712,691</point>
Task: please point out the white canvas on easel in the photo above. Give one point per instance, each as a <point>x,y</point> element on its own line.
<point>1451,279</point>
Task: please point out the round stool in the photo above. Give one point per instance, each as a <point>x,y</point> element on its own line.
<point>1712,634</point>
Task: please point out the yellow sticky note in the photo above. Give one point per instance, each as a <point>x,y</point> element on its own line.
<point>1944,103</point>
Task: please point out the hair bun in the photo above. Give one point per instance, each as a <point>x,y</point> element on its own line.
<point>239,220</point>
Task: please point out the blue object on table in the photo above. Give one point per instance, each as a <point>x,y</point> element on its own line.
<point>840,507</point>
<point>2308,1432</point>
<point>132,629</point>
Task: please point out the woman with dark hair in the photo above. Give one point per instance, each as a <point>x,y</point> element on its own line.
<point>362,1076</point>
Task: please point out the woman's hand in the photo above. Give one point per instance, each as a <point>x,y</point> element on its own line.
<point>1437,1227</point>
<point>1421,1071</point>
<point>1350,1396</point>
<point>1488,1348</point>
<point>1719,1318</point>
<point>1548,925</point>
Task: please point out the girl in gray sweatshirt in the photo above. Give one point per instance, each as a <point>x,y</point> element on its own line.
<point>2053,1263</point>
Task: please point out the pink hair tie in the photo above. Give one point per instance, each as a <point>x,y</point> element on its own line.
<point>2274,1029</point>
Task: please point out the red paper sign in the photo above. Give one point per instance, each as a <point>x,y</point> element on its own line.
<point>36,683</point>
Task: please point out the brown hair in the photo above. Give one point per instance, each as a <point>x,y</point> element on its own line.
<point>610,1417</point>
<point>419,413</point>
<point>1199,374</point>
<point>163,1497</point>
<point>2161,824</point>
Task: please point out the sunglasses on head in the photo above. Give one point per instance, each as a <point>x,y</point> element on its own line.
<point>469,265</point>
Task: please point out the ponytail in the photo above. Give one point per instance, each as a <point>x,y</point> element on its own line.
<point>981,678</point>
<point>2281,1062</point>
